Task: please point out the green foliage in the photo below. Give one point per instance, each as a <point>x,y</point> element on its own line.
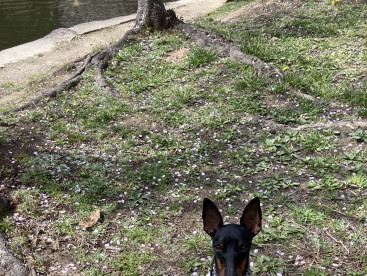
<point>314,141</point>
<point>359,135</point>
<point>276,182</point>
<point>154,174</point>
<point>4,140</point>
<point>200,57</point>
<point>172,133</point>
<point>252,82</point>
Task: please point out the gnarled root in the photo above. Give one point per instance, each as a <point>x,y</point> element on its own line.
<point>216,42</point>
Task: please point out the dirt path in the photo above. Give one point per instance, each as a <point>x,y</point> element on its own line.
<point>39,68</point>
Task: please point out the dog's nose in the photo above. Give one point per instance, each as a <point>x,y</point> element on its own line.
<point>231,270</point>
<point>231,273</point>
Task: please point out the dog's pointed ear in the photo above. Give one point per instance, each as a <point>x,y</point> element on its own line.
<point>212,218</point>
<point>251,216</point>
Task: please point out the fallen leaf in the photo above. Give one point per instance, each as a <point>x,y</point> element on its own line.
<point>92,220</point>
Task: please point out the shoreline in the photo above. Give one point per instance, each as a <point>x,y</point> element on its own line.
<point>28,69</point>
<point>55,40</point>
<point>49,41</point>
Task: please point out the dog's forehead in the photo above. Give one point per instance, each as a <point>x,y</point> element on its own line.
<point>232,233</point>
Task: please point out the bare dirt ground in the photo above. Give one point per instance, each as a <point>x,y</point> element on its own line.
<point>31,76</point>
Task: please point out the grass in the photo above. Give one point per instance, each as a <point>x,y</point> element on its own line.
<point>174,133</point>
<point>320,45</point>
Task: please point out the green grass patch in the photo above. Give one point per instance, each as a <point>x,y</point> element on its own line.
<point>171,133</point>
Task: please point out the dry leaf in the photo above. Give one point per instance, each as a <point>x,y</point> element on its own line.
<point>92,220</point>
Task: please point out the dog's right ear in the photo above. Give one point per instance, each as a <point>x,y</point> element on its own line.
<point>251,217</point>
<point>212,218</point>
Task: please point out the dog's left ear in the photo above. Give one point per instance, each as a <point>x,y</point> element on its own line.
<point>212,218</point>
<point>251,216</point>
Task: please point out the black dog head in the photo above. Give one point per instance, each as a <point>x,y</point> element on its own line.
<point>232,242</point>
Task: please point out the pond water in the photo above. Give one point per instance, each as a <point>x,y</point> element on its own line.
<point>22,21</point>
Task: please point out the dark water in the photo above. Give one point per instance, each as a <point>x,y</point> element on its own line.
<point>22,21</point>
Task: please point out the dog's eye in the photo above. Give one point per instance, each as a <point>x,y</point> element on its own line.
<point>243,247</point>
<point>218,247</point>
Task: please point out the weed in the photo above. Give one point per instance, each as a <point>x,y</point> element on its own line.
<point>252,82</point>
<point>154,174</point>
<point>276,182</point>
<point>328,183</point>
<point>197,243</point>
<point>229,191</point>
<point>357,180</point>
<point>200,57</point>
<point>314,141</point>
<point>7,84</point>
<point>359,135</point>
<point>306,215</point>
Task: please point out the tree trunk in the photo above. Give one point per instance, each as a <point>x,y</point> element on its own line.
<point>152,14</point>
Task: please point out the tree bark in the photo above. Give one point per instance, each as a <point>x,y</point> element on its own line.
<point>153,14</point>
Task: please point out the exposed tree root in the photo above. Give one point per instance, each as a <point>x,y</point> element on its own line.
<point>155,17</point>
<point>299,94</point>
<point>216,42</point>
<point>342,124</point>
<point>206,39</point>
<point>347,125</point>
<point>65,85</point>
<point>99,60</point>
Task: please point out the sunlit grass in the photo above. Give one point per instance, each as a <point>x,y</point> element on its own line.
<point>172,133</point>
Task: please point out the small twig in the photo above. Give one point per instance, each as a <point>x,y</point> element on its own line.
<point>113,248</point>
<point>336,211</point>
<point>340,242</point>
<point>35,238</point>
